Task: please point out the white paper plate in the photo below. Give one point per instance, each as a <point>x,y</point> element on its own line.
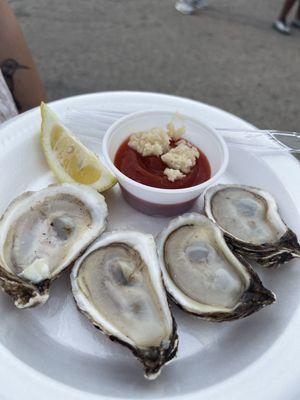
<point>53,352</point>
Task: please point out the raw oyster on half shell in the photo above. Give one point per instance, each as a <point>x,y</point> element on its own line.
<point>251,223</point>
<point>203,276</point>
<point>42,233</point>
<point>117,285</point>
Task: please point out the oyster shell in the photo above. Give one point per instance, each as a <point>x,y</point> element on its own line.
<point>117,285</point>
<point>42,233</point>
<point>203,276</point>
<point>251,223</point>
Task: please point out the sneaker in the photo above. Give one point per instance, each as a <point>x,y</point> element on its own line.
<point>296,23</point>
<point>282,27</point>
<point>200,4</point>
<point>184,8</point>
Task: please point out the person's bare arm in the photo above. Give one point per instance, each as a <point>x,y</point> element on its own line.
<point>17,64</point>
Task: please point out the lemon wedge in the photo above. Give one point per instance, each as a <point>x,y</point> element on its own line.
<point>68,158</point>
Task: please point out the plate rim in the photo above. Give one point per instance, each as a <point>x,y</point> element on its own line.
<point>65,391</point>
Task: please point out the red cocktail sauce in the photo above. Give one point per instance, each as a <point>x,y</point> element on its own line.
<point>150,170</point>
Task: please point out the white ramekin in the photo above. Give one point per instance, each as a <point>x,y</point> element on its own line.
<point>157,201</point>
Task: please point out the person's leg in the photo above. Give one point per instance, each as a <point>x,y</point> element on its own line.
<point>298,11</point>
<point>281,25</point>
<point>287,6</point>
<point>296,22</point>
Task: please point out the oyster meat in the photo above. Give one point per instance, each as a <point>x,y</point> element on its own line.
<point>203,276</point>
<point>42,233</point>
<point>117,285</point>
<point>251,223</point>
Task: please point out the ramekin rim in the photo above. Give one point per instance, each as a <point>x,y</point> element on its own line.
<point>190,189</point>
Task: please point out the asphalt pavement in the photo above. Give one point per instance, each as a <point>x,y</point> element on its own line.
<point>227,55</point>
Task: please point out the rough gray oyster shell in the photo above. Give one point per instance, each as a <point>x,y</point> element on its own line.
<point>42,233</point>
<point>251,223</point>
<point>117,285</point>
<point>203,276</point>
